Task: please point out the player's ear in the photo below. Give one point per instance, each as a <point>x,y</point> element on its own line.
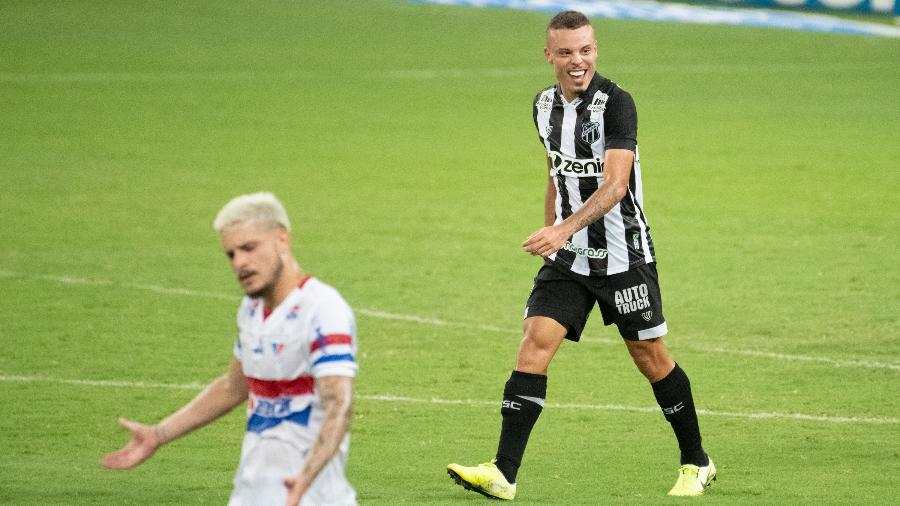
<point>283,240</point>
<point>547,54</point>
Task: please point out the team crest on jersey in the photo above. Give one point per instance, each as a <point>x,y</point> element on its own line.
<point>548,130</point>
<point>545,103</point>
<point>647,315</point>
<point>590,131</point>
<point>598,105</point>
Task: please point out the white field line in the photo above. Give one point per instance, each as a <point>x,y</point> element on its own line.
<point>784,357</point>
<point>69,280</point>
<point>807,358</point>
<point>102,383</point>
<point>472,402</point>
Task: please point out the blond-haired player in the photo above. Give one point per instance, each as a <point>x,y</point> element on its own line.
<point>294,362</point>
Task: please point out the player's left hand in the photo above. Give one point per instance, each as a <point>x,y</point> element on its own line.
<point>546,241</point>
<point>296,486</point>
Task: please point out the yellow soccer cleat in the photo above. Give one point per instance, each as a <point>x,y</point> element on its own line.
<point>486,479</point>
<point>693,480</point>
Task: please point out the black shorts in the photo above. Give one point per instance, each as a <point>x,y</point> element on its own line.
<point>630,299</point>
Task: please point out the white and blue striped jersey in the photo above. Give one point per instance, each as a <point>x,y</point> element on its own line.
<point>311,334</point>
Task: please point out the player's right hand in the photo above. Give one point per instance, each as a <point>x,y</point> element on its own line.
<point>546,241</point>
<point>143,444</point>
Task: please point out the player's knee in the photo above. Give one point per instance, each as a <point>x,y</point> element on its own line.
<point>651,359</point>
<point>529,346</point>
<point>646,365</point>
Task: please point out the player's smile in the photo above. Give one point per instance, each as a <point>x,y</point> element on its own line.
<point>578,78</point>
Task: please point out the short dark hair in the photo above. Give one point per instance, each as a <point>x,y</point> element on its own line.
<point>568,20</point>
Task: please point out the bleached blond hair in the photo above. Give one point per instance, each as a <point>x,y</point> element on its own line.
<point>262,208</point>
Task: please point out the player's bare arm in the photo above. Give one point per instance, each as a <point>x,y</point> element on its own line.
<point>617,170</point>
<point>336,397</point>
<point>217,399</point>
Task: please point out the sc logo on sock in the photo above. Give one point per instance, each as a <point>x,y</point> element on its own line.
<point>511,405</point>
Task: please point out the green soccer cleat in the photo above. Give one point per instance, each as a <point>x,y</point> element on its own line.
<point>693,480</point>
<point>486,479</point>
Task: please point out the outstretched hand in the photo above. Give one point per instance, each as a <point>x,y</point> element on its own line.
<point>144,442</point>
<point>546,241</point>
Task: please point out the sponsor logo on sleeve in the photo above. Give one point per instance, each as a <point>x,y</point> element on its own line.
<point>598,105</point>
<point>545,103</point>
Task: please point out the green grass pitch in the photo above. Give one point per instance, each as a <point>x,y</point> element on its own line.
<point>400,138</point>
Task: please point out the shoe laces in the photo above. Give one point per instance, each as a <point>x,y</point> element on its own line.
<point>688,469</point>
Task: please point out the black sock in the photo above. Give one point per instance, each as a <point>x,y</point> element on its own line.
<point>673,393</point>
<point>523,399</point>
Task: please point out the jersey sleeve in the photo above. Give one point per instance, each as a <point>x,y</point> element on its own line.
<point>620,121</point>
<point>534,115</point>
<point>333,352</point>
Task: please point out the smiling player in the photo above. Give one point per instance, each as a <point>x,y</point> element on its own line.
<point>597,250</point>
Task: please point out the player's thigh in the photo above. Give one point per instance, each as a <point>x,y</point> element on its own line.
<point>560,298</point>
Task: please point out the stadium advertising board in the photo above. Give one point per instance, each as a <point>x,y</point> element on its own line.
<point>864,6</point>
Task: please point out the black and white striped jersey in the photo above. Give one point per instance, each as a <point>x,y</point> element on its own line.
<point>576,135</point>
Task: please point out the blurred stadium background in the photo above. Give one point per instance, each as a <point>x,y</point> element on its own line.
<point>399,136</point>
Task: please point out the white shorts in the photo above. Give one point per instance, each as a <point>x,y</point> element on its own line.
<point>267,461</point>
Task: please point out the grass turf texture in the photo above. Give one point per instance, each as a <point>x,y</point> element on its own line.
<point>400,138</point>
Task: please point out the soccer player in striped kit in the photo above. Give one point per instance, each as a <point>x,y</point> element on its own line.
<point>597,249</point>
<point>294,362</point>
